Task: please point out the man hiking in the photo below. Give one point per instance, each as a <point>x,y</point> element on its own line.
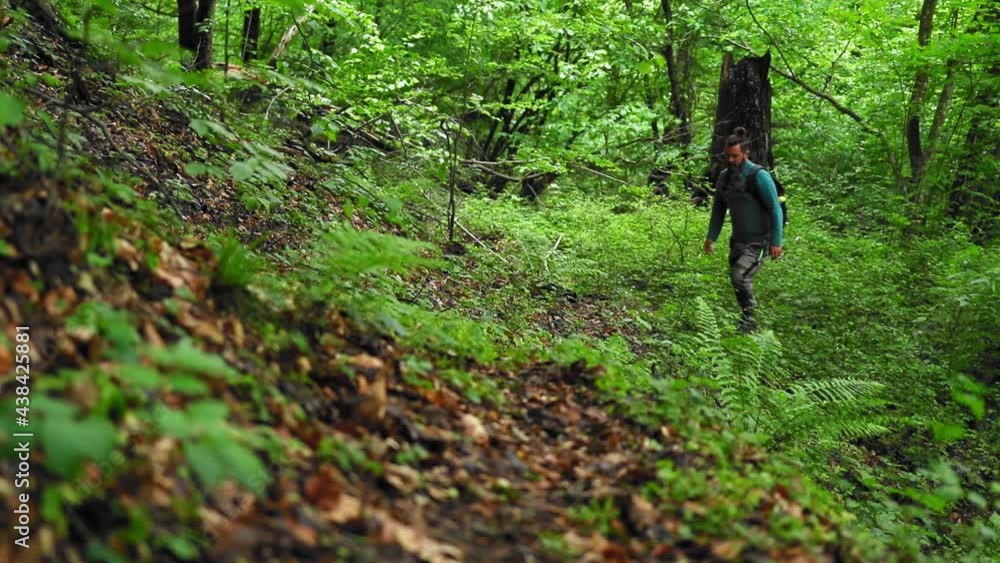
<point>749,193</point>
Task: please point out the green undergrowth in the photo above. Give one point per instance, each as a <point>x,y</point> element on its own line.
<point>869,372</point>
<point>867,380</point>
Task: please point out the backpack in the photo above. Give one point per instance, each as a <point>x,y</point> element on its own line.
<point>756,193</point>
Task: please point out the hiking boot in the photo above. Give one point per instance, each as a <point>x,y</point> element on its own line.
<point>747,326</point>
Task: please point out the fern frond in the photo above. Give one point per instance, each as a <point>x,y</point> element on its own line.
<point>747,371</point>
<point>707,329</point>
<point>838,391</point>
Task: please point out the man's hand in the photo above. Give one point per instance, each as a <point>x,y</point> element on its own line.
<point>709,246</point>
<point>776,252</point>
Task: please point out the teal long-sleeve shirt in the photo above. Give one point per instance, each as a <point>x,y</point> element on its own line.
<point>754,218</point>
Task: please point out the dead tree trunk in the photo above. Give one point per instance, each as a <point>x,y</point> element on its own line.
<point>251,33</point>
<point>744,101</point>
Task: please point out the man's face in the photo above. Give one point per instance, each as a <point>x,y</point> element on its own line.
<point>735,156</point>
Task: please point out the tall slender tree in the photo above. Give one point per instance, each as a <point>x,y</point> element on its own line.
<point>251,33</point>
<point>679,56</point>
<point>921,83</point>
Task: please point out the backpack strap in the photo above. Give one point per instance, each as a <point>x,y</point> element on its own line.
<point>760,199</point>
<point>753,184</point>
<point>753,187</point>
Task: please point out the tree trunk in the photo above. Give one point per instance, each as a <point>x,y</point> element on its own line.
<point>675,62</point>
<point>975,195</point>
<point>46,15</point>
<point>678,58</point>
<point>251,34</point>
<point>920,84</point>
<point>203,59</point>
<point>940,114</point>
<point>187,33</point>
<point>744,101</point>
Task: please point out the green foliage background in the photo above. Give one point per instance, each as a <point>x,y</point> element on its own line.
<point>875,374</point>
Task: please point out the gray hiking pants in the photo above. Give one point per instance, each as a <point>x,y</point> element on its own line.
<point>745,260</point>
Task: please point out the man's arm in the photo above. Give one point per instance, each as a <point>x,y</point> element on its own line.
<point>718,216</point>
<point>769,197</point>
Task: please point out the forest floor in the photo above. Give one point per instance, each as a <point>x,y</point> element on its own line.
<point>362,449</point>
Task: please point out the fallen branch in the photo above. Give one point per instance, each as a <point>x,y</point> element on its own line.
<point>491,162</point>
<point>267,112</point>
<point>599,173</point>
<point>498,174</point>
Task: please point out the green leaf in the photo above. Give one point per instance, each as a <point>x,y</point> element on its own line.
<point>206,462</point>
<point>11,110</point>
<point>97,551</point>
<point>140,376</point>
<point>276,169</point>
<point>182,547</point>
<point>150,86</point>
<point>120,191</point>
<point>206,128</point>
<point>140,525</point>
<point>188,384</point>
<point>106,5</point>
<point>53,510</point>
<point>54,408</point>
<point>208,411</point>
<point>186,357</point>
<point>68,443</point>
<point>195,168</point>
<point>244,465</point>
<point>975,403</point>
<point>977,499</point>
<point>173,422</point>
<point>241,171</point>
<point>931,501</point>
<point>200,127</point>
<point>945,432</point>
